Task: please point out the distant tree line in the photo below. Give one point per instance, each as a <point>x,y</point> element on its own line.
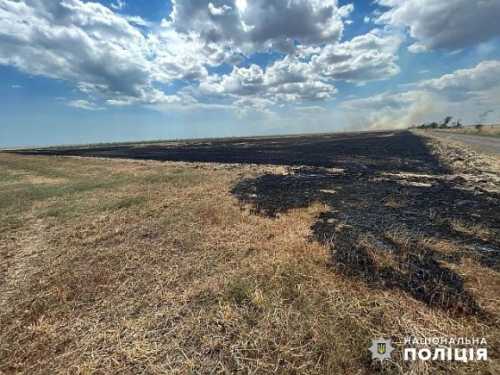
<point>447,123</point>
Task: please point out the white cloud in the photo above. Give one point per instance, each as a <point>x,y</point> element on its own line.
<point>261,24</point>
<point>139,21</point>
<point>98,50</point>
<point>367,57</point>
<point>118,5</point>
<point>449,25</point>
<point>310,74</point>
<point>123,60</point>
<point>79,42</point>
<point>285,80</point>
<point>215,11</point>
<point>117,59</point>
<point>84,104</point>
<point>241,82</point>
<point>483,76</point>
<point>476,88</point>
<point>247,105</point>
<point>417,48</point>
<point>303,91</point>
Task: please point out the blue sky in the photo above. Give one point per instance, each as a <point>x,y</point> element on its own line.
<point>76,71</point>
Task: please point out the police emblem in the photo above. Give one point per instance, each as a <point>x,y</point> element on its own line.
<point>381,349</point>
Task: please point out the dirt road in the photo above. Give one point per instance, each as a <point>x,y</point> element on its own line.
<point>489,145</point>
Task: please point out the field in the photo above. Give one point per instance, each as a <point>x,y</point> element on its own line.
<point>484,130</point>
<point>264,255</point>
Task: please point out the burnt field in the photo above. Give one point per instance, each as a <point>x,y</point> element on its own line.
<point>383,151</point>
<point>182,261</point>
<point>376,187</point>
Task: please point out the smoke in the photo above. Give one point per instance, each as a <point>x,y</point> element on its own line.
<point>414,113</point>
<point>483,116</point>
<point>392,111</point>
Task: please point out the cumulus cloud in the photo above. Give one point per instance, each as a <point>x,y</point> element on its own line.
<point>286,80</point>
<point>476,88</point>
<point>99,51</point>
<point>303,91</point>
<point>261,24</point>
<point>241,82</point>
<point>310,73</point>
<point>367,57</point>
<point>449,25</point>
<point>118,59</point>
<point>483,76</point>
<point>84,43</point>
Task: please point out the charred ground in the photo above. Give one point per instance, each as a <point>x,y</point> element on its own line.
<point>292,265</point>
<point>384,151</point>
<point>376,221</point>
<point>379,188</point>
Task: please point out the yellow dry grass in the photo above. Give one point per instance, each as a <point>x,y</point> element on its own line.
<point>112,266</point>
<point>482,130</point>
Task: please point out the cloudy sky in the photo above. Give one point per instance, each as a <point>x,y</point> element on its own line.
<point>74,71</point>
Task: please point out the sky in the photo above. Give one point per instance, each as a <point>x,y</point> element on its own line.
<point>74,71</point>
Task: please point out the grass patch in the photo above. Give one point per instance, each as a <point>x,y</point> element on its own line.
<point>23,195</point>
<point>118,267</point>
<point>239,291</point>
<point>123,203</point>
<point>177,178</point>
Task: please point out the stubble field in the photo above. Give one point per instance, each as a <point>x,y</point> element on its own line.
<point>284,255</point>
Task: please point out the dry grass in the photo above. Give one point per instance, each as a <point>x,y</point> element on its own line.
<point>144,267</point>
<point>484,130</point>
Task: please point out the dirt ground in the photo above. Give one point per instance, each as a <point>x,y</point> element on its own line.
<point>291,262</point>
